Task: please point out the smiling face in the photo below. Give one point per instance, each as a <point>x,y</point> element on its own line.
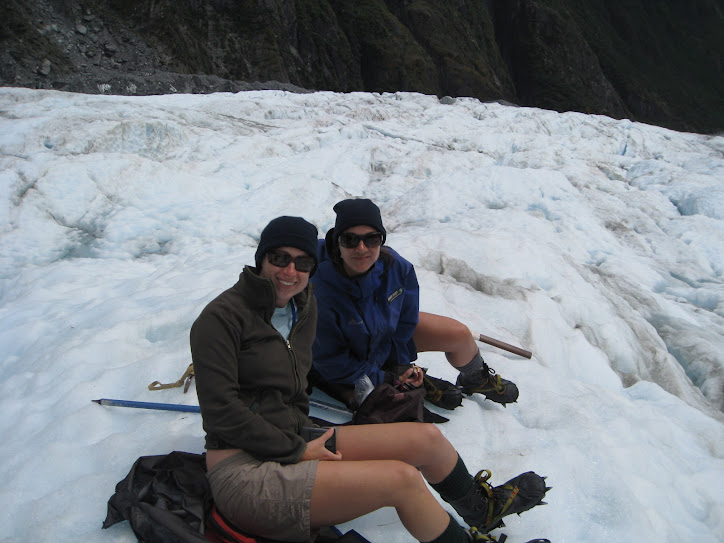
<point>358,260</point>
<point>288,282</point>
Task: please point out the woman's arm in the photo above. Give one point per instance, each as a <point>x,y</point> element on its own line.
<point>334,354</point>
<point>408,315</point>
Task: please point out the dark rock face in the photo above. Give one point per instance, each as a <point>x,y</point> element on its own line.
<point>551,62</point>
<point>655,61</point>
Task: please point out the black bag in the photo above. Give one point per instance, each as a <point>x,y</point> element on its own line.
<point>391,403</point>
<point>165,498</point>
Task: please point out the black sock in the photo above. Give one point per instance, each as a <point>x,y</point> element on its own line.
<point>454,533</point>
<point>456,484</point>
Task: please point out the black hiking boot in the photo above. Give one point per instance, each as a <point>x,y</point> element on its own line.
<point>442,393</point>
<point>490,385</point>
<point>484,506</point>
<point>476,536</point>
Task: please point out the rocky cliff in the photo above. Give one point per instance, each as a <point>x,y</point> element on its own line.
<point>655,61</point>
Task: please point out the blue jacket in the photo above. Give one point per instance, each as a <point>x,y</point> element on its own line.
<point>365,322</point>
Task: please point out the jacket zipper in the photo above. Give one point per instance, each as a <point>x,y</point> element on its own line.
<point>295,370</point>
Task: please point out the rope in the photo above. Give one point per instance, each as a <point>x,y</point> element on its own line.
<point>185,381</point>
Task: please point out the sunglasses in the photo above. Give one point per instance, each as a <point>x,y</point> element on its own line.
<point>280,259</point>
<point>349,240</point>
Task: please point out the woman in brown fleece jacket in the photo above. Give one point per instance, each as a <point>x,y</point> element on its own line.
<point>252,350</point>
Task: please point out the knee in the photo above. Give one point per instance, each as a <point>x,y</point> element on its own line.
<point>460,332</point>
<point>404,478</point>
<point>429,436</point>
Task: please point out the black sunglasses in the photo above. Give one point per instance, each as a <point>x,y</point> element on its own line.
<point>280,259</point>
<point>348,240</point>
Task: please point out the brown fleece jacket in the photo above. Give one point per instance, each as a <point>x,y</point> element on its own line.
<point>251,381</point>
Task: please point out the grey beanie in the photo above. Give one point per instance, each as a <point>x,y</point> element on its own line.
<point>355,212</point>
<point>288,232</point>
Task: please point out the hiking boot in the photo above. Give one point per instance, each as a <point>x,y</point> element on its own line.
<point>484,506</point>
<point>490,385</point>
<point>476,536</point>
<point>441,393</point>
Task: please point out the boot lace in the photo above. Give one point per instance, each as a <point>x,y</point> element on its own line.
<point>479,536</point>
<point>494,380</point>
<point>492,519</point>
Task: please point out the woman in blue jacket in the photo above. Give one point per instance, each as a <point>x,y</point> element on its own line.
<point>370,324</point>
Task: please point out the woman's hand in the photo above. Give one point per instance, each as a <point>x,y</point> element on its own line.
<point>413,376</point>
<point>317,451</point>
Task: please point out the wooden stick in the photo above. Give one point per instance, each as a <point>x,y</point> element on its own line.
<point>501,345</point>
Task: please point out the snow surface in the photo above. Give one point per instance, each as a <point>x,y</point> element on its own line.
<point>597,244</point>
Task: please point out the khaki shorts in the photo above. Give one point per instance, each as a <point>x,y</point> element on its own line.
<point>267,499</point>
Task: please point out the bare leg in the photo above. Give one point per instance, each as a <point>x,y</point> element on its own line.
<point>347,490</point>
<point>438,333</point>
<point>379,469</point>
<point>420,445</point>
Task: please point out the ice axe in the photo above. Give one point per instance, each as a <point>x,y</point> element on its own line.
<point>502,345</point>
<point>319,404</point>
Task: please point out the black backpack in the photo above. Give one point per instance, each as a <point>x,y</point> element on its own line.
<point>167,499</point>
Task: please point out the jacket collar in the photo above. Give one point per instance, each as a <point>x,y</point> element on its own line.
<point>260,294</point>
<point>356,287</point>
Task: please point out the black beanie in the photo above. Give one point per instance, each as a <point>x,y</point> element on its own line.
<point>288,232</point>
<point>355,212</point>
